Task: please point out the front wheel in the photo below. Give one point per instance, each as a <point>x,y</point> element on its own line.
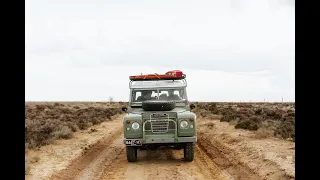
<point>131,153</point>
<point>189,152</point>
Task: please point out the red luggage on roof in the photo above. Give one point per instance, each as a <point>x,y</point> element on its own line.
<point>176,73</point>
<point>170,75</point>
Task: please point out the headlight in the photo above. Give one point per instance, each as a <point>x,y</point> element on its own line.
<point>135,125</point>
<point>183,124</point>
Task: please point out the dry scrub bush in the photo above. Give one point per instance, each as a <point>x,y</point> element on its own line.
<point>252,123</point>
<point>246,112</point>
<point>214,116</point>
<point>210,106</point>
<point>258,111</point>
<point>263,117</point>
<point>64,132</point>
<point>34,159</point>
<point>286,129</point>
<point>45,123</point>
<point>234,122</point>
<point>274,114</point>
<point>228,118</point>
<point>264,132</point>
<point>211,125</point>
<point>57,104</point>
<point>202,112</point>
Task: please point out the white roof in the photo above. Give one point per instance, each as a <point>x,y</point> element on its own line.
<point>157,84</point>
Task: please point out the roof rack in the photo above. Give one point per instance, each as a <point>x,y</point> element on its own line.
<point>152,77</point>
<point>158,83</point>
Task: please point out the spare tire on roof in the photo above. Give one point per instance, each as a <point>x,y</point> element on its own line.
<point>158,105</point>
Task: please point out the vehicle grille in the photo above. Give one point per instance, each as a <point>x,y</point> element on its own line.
<point>159,126</point>
<point>160,123</point>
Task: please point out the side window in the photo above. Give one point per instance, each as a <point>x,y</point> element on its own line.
<point>176,93</point>
<point>154,94</point>
<point>163,95</point>
<point>163,92</point>
<point>137,95</point>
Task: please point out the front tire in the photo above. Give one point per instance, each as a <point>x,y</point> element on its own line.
<point>131,153</point>
<point>189,152</point>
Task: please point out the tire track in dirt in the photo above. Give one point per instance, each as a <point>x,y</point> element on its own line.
<point>107,160</point>
<point>91,164</point>
<point>228,160</point>
<point>232,167</point>
<point>212,170</point>
<point>164,163</point>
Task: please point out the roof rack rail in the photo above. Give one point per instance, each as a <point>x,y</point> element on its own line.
<point>151,77</point>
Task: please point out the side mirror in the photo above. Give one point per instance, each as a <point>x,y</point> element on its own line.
<point>124,108</point>
<point>192,106</point>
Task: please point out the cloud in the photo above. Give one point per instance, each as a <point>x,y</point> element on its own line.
<point>97,84</point>
<point>204,36</point>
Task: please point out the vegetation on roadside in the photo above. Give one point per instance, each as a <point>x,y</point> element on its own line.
<point>267,119</point>
<point>45,122</point>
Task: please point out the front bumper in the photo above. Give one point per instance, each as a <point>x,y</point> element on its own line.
<point>151,140</point>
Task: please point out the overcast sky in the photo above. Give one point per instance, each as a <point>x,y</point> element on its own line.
<point>85,50</point>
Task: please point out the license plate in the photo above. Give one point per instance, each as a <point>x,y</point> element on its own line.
<point>133,142</point>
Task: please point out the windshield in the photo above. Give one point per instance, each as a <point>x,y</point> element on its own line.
<point>176,94</point>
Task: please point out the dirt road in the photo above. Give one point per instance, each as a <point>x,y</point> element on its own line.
<point>105,158</point>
